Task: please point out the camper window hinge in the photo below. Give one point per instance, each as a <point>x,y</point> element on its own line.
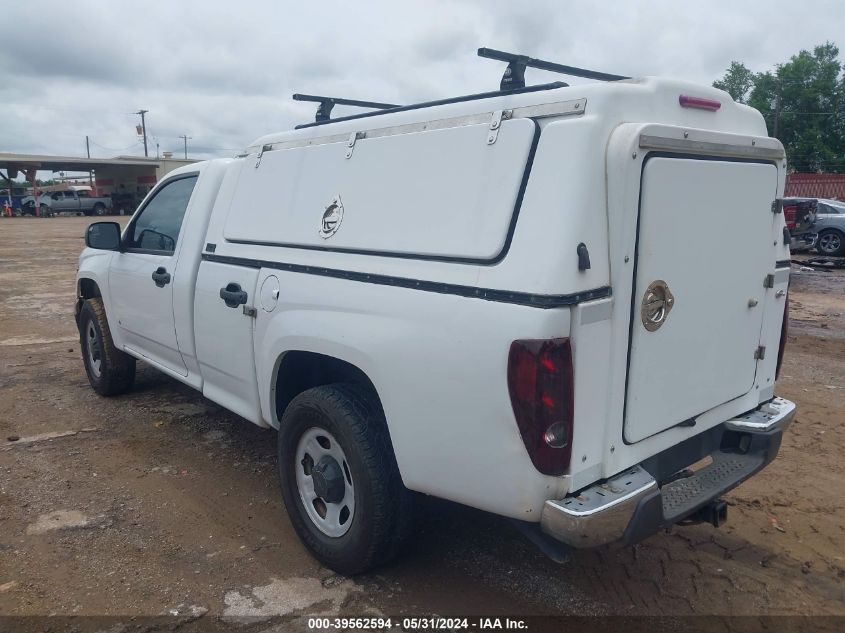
<point>265,148</point>
<point>250,311</point>
<point>496,124</point>
<point>769,281</point>
<point>350,144</point>
<point>777,206</point>
<point>760,352</point>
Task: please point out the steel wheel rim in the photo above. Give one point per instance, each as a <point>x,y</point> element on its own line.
<point>95,358</point>
<point>830,242</point>
<point>332,519</point>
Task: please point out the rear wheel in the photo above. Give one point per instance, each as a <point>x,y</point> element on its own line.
<point>339,478</point>
<point>99,209</point>
<point>831,243</point>
<point>110,371</point>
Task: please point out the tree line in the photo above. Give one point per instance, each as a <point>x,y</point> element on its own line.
<point>803,102</point>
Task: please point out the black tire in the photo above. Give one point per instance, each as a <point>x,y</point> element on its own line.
<point>116,370</point>
<point>382,518</point>
<point>99,209</point>
<point>831,243</point>
<point>45,211</point>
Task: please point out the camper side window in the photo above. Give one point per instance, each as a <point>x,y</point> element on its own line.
<point>157,227</point>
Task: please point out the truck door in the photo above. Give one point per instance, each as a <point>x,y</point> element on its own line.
<point>704,250</point>
<point>58,202</point>
<point>70,201</point>
<point>141,275</point>
<point>224,326</point>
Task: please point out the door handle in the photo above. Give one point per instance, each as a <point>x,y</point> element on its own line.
<point>233,295</point>
<point>161,276</point>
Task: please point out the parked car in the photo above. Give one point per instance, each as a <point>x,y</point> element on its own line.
<point>800,215</point>
<point>502,300</point>
<point>830,228</point>
<point>124,203</point>
<point>69,201</point>
<point>28,205</point>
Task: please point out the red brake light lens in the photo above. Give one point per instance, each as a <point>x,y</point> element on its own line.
<point>540,382</point>
<point>688,101</point>
<point>790,212</point>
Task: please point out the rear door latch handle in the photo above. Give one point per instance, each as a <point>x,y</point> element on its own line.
<point>161,277</point>
<point>233,295</point>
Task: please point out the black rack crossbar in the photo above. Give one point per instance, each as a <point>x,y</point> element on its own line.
<point>431,104</point>
<point>324,110</point>
<point>518,63</point>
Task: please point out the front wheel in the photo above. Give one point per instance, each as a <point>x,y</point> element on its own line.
<point>831,243</point>
<point>339,478</point>
<point>110,371</point>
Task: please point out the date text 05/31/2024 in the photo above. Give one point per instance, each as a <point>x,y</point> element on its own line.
<point>416,624</point>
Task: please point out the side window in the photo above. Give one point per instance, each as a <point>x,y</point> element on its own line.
<point>82,194</point>
<point>157,227</point>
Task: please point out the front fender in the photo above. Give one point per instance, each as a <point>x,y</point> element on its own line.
<point>94,265</point>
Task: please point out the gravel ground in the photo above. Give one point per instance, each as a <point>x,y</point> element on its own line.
<point>160,502</point>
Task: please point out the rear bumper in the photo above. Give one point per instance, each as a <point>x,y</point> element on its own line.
<point>637,503</point>
<point>803,241</point>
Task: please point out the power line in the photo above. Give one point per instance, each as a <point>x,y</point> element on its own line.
<point>116,149</point>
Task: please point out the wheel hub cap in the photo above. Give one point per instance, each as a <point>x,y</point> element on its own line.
<point>324,482</point>
<point>328,479</point>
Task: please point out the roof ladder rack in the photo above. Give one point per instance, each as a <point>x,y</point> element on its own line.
<point>324,110</point>
<point>514,77</point>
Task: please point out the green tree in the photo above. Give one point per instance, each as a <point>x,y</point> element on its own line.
<point>737,82</point>
<point>803,103</point>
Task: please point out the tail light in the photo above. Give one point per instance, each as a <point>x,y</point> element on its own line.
<point>540,382</point>
<point>783,332</point>
<point>789,213</point>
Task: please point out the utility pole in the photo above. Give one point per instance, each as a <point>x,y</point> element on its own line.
<point>90,173</point>
<point>185,138</point>
<point>778,87</point>
<point>143,129</point>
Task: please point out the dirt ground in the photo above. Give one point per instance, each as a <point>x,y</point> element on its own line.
<point>160,500</point>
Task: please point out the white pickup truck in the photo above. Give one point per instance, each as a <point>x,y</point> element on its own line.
<point>520,301</point>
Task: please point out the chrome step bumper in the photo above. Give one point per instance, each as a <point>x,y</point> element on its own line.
<point>631,505</point>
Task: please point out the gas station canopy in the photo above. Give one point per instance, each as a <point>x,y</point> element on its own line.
<point>26,162</point>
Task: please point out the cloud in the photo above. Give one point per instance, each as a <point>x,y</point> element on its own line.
<point>223,73</point>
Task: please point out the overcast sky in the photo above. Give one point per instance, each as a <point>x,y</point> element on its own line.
<point>223,72</point>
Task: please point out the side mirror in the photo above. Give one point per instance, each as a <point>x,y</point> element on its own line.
<point>103,235</point>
